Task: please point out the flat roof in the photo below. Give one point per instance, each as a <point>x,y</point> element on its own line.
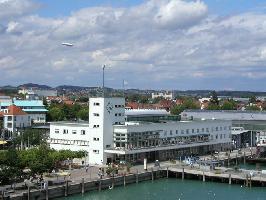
<point>146,112</point>
<point>225,111</point>
<point>85,123</point>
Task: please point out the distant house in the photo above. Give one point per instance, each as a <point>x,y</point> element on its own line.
<point>14,118</point>
<point>165,95</point>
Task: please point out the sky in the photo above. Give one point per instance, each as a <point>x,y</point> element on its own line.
<point>151,44</point>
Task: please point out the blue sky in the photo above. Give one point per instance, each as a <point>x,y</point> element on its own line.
<point>152,44</point>
<point>54,8</point>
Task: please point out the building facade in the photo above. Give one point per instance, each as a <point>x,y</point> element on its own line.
<point>15,118</point>
<point>108,137</point>
<point>34,108</point>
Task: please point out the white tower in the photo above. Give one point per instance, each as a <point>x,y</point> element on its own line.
<point>103,114</point>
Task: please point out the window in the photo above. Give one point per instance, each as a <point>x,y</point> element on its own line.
<point>197,130</point>
<point>187,131</point>
<point>9,125</point>
<point>108,146</point>
<point>216,128</point>
<point>221,136</point>
<point>96,151</point>
<point>65,131</point>
<point>74,132</point>
<point>96,104</point>
<point>9,118</point>
<point>171,132</point>
<point>96,126</point>
<point>202,130</point>
<point>182,131</point>
<point>15,118</point>
<point>176,132</point>
<point>207,130</point>
<point>83,132</point>
<point>96,114</point>
<point>221,128</point>
<point>225,128</point>
<point>192,130</point>
<point>96,139</point>
<point>56,130</point>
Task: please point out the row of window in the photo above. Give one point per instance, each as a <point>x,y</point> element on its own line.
<point>203,130</point>
<point>116,106</point>
<point>119,114</point>
<point>65,131</point>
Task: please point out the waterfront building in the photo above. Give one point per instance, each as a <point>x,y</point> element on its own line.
<point>247,125</point>
<point>115,134</point>
<point>34,108</point>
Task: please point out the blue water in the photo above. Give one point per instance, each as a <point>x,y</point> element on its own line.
<point>176,189</point>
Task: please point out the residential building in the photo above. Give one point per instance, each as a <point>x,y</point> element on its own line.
<point>15,118</point>
<point>110,135</point>
<point>34,108</point>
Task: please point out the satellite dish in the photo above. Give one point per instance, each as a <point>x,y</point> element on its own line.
<point>67,44</point>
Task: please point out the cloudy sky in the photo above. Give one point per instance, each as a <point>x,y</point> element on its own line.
<point>152,44</point>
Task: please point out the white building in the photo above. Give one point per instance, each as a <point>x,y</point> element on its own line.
<point>165,95</point>
<point>34,108</point>
<point>108,137</point>
<point>95,136</point>
<point>15,118</point>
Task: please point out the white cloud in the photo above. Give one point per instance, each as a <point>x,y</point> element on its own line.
<point>178,13</point>
<point>15,8</point>
<point>159,43</point>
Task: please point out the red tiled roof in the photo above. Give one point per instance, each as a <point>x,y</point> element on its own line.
<point>15,110</point>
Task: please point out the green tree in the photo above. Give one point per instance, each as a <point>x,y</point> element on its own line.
<point>252,99</point>
<point>188,103</point>
<point>214,98</point>
<point>56,114</point>
<point>212,106</point>
<point>229,105</point>
<point>252,108</point>
<point>83,114</point>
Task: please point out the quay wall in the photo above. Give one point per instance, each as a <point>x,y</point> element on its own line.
<point>71,188</point>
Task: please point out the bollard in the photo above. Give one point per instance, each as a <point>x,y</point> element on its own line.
<point>167,173</point>
<point>183,173</point>
<point>100,185</point>
<point>28,192</point>
<point>230,179</point>
<point>137,177</point>
<point>113,182</point>
<point>82,187</point>
<point>203,176</point>
<point>46,191</point>
<point>66,188</point>
<point>152,178</point>
<point>124,180</point>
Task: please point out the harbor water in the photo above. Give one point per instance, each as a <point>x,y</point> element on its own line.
<point>175,189</point>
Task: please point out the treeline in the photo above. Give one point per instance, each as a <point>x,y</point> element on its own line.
<point>59,112</point>
<point>37,160</point>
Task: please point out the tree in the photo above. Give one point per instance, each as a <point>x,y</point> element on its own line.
<point>229,105</point>
<point>253,108</point>
<point>214,98</point>
<point>212,106</point>
<point>83,114</point>
<point>252,99</point>
<point>56,114</point>
<point>188,103</point>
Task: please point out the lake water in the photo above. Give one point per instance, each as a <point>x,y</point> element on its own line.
<point>176,189</point>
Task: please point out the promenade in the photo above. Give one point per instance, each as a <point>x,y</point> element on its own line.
<point>172,168</point>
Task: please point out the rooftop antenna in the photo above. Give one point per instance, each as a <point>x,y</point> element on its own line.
<point>103,79</point>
